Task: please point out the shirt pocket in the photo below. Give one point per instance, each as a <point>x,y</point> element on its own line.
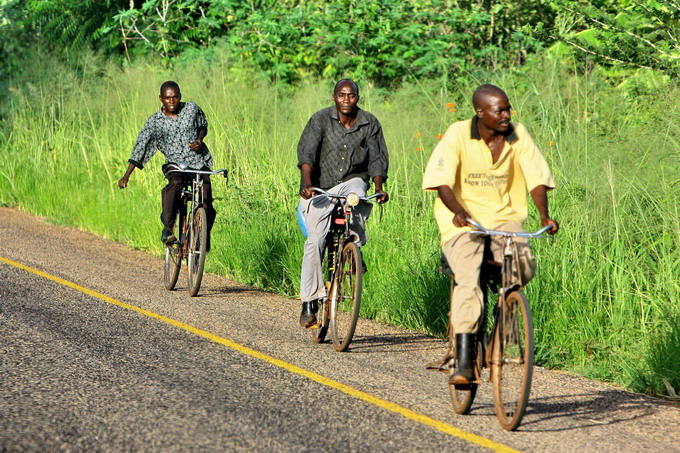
<point>360,154</point>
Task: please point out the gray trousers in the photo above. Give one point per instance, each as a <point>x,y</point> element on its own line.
<point>317,212</point>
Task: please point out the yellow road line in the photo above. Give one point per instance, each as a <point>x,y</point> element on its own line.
<point>412,415</point>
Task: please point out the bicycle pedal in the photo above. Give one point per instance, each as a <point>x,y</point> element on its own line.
<point>314,326</point>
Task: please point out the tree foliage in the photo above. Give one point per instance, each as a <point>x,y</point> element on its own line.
<point>381,40</point>
<point>641,34</point>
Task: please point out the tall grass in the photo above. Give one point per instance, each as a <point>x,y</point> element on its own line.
<point>605,300</point>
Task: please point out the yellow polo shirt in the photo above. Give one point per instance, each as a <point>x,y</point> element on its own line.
<point>490,193</point>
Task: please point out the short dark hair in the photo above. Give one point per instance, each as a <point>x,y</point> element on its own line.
<point>486,90</point>
<point>340,82</point>
<point>170,84</point>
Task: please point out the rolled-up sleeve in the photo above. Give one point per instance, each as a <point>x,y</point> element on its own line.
<point>200,120</point>
<point>443,164</point>
<point>378,159</point>
<point>310,142</point>
<point>534,166</point>
<point>145,146</point>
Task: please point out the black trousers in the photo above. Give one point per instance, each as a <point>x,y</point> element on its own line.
<point>171,197</point>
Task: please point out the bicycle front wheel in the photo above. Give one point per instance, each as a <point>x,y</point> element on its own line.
<point>198,240</point>
<point>346,297</point>
<point>173,258</point>
<point>513,360</point>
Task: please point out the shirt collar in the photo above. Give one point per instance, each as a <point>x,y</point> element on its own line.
<point>510,135</point>
<point>362,118</point>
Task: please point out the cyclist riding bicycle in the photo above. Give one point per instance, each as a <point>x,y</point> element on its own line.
<point>177,129</point>
<point>341,149</point>
<point>482,169</point>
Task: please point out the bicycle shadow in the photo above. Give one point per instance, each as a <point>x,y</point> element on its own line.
<point>583,410</point>
<point>393,343</point>
<point>230,290</point>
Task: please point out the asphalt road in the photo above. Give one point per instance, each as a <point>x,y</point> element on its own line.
<point>95,355</point>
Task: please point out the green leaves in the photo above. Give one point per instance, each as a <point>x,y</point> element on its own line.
<point>639,34</point>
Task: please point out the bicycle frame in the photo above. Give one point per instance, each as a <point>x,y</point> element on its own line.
<point>192,235</point>
<point>195,196</point>
<point>508,281</point>
<point>341,251</point>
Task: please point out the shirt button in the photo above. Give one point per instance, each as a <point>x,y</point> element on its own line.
<point>344,146</point>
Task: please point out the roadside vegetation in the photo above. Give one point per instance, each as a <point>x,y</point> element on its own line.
<point>605,300</point>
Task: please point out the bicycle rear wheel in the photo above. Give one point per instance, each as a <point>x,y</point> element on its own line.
<point>173,258</point>
<point>198,240</point>
<point>346,297</point>
<point>513,360</point>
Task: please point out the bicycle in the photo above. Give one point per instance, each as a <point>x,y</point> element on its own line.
<point>508,347</point>
<point>343,270</point>
<point>192,232</point>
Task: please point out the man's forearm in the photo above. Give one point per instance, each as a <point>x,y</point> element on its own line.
<point>378,181</point>
<point>306,173</point>
<point>540,197</point>
<point>449,199</point>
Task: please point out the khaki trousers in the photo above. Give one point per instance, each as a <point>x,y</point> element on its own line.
<point>464,254</point>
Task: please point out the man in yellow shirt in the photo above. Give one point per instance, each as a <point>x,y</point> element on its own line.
<point>482,169</point>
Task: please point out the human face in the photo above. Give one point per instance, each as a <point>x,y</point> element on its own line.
<point>170,99</point>
<point>494,113</point>
<point>346,99</point>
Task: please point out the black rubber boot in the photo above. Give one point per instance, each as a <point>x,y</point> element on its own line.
<point>167,236</point>
<point>308,314</point>
<point>465,348</point>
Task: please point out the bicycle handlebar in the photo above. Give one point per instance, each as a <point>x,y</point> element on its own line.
<point>334,195</point>
<point>487,232</point>
<point>172,168</point>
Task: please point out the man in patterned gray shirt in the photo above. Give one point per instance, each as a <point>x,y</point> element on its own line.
<point>341,149</point>
<point>177,129</point>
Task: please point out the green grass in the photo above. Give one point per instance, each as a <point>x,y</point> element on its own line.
<point>605,300</point>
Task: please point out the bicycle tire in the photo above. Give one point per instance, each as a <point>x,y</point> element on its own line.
<point>173,258</point>
<point>198,240</point>
<point>513,360</point>
<point>346,297</point>
<point>463,397</point>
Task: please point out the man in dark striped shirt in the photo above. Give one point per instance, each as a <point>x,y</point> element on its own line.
<point>341,150</point>
<point>177,129</point>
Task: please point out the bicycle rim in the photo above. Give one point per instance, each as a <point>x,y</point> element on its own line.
<point>198,239</point>
<point>173,259</point>
<point>347,297</point>
<point>513,360</point>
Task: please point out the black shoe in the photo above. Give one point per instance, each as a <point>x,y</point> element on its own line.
<point>308,314</point>
<point>167,236</point>
<point>465,349</point>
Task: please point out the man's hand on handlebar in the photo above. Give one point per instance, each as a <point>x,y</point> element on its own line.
<point>555,226</point>
<point>307,192</point>
<point>460,219</point>
<point>384,197</point>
